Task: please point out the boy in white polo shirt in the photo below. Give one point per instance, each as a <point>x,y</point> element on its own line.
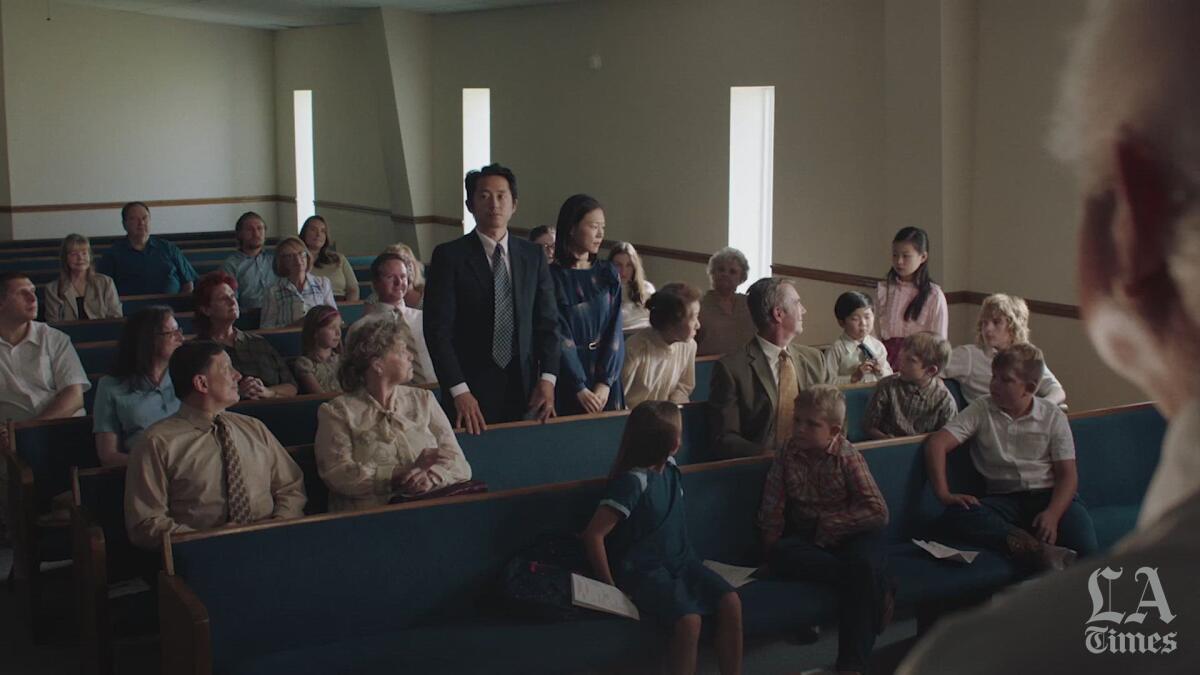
<point>1022,446</point>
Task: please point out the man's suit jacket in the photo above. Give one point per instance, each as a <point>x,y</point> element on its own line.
<point>460,309</point>
<point>743,398</point>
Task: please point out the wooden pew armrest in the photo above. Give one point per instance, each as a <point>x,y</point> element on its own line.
<point>183,627</point>
<point>21,516</point>
<point>91,592</point>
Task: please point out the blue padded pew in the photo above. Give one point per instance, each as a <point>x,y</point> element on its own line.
<point>418,590</point>
<point>704,368</point>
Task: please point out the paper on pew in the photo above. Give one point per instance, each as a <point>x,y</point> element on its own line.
<point>943,552</point>
<point>601,597</point>
<point>735,575</point>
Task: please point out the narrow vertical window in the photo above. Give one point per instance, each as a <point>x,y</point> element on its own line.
<point>305,182</point>
<point>477,137</point>
<point>752,175</point>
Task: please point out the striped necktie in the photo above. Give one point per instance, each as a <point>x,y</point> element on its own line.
<point>236,496</point>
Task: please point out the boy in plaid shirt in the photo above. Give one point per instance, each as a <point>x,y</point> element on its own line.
<point>822,520</point>
<point>914,400</point>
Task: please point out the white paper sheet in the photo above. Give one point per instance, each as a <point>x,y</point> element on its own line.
<point>943,552</point>
<point>601,597</point>
<point>735,575</point>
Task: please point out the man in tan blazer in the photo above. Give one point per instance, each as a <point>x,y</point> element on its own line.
<point>744,404</point>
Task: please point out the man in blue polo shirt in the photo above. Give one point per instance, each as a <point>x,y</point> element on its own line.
<point>252,265</point>
<point>144,265</point>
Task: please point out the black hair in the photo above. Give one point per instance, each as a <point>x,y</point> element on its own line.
<point>473,177</point>
<point>848,303</point>
<point>921,279</point>
<point>8,277</point>
<point>191,359</point>
<point>327,255</point>
<point>650,434</point>
<point>125,209</point>
<point>570,214</point>
<point>135,349</point>
<point>539,231</point>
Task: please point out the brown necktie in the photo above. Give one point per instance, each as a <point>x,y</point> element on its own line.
<point>236,496</point>
<point>787,400</point>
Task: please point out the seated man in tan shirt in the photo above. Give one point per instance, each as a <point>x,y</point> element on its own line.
<point>202,467</point>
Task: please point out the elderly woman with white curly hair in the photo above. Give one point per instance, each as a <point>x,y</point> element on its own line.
<point>383,439</point>
<point>725,323</point>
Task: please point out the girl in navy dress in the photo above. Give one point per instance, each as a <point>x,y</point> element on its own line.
<point>652,560</point>
<point>588,294</point>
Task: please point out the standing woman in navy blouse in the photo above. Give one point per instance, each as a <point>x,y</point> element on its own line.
<point>588,294</point>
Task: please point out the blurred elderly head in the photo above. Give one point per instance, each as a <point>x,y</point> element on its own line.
<point>1129,122</point>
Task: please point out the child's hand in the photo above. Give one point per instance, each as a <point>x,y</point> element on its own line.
<point>863,369</point>
<point>956,499</point>
<point>1045,526</point>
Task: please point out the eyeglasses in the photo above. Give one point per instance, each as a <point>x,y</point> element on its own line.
<point>167,333</point>
<point>293,256</point>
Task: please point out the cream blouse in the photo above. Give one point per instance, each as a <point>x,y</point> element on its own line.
<point>340,275</point>
<point>360,443</point>
<point>657,371</point>
<point>100,300</point>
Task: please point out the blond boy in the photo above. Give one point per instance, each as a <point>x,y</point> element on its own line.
<point>1022,445</point>
<point>914,400</point>
<point>822,519</point>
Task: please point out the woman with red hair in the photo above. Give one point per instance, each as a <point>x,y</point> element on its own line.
<point>264,372</point>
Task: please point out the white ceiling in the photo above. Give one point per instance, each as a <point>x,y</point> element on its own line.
<point>282,14</point>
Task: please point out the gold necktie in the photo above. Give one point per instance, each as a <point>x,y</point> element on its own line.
<point>788,391</point>
<point>236,496</point>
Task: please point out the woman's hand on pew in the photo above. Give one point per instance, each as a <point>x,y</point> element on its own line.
<point>590,402</point>
<point>469,416</point>
<point>957,499</point>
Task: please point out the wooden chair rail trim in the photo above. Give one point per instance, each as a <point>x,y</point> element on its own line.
<point>100,206</point>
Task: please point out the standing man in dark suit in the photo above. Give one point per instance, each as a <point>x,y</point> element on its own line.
<point>754,389</point>
<point>490,318</point>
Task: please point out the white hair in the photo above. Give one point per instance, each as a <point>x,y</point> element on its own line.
<point>1132,75</point>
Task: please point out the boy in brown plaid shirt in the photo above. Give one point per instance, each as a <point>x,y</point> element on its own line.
<point>914,400</point>
<point>822,520</point>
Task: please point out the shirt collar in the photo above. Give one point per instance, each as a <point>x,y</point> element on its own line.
<point>1036,410</point>
<point>36,334</point>
<point>196,417</point>
<point>489,244</point>
<point>769,348</point>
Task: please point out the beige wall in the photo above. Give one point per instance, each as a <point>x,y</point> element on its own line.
<point>648,132</point>
<point>105,106</point>
<point>347,154</point>
<point>1024,206</point>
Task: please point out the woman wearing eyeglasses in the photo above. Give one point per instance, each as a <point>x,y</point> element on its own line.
<point>297,291</point>
<point>138,392</point>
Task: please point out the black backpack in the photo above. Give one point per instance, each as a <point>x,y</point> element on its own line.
<point>536,583</point>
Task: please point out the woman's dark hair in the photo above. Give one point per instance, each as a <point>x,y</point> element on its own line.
<point>569,215</point>
<point>849,303</point>
<point>920,241</point>
<point>135,349</point>
<point>327,255</point>
<point>202,297</point>
<point>669,305</point>
<point>189,361</point>
<point>650,435</point>
<point>317,318</point>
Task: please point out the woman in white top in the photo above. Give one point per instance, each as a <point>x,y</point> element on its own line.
<point>660,362</point>
<point>383,438</point>
<point>80,292</point>
<point>635,290</point>
<point>1003,322</point>
<point>297,290</point>
<point>327,262</point>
